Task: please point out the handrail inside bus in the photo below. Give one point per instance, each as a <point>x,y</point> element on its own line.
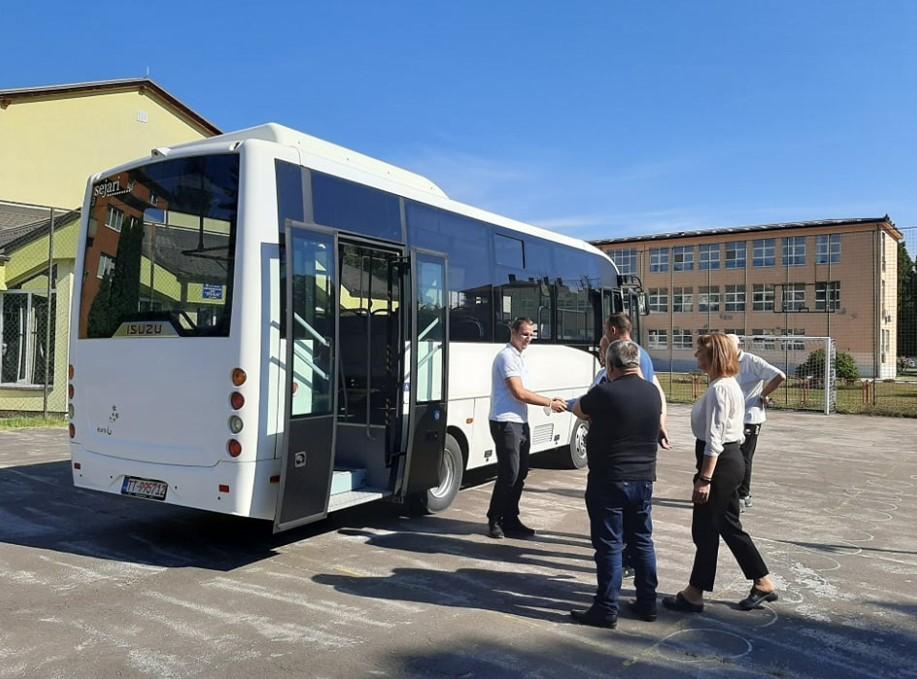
<point>426,330</point>
<point>309,329</point>
<point>308,361</point>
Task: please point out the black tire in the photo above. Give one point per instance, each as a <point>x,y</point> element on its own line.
<point>575,454</point>
<point>451,470</point>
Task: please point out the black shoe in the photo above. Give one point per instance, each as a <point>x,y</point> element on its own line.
<point>629,572</point>
<point>755,598</point>
<point>590,617</point>
<point>517,529</point>
<point>495,530</point>
<point>642,612</point>
<point>679,603</point>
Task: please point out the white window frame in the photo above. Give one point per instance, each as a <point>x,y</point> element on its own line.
<point>683,258</point>
<point>106,264</point>
<point>708,298</point>
<point>794,251</point>
<point>659,300</point>
<point>763,297</point>
<point>828,296</point>
<point>28,340</point>
<point>764,253</point>
<point>682,339</point>
<point>709,257</point>
<point>625,260</point>
<point>735,298</point>
<point>658,339</point>
<point>683,300</point>
<point>738,251</point>
<point>794,297</point>
<point>114,219</point>
<point>828,248</point>
<point>659,260</point>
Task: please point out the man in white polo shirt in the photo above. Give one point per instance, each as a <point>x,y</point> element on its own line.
<point>758,379</point>
<point>509,416</point>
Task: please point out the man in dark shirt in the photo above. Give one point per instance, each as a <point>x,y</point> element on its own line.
<point>624,416</point>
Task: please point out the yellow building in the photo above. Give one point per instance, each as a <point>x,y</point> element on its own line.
<point>51,140</point>
<point>829,278</point>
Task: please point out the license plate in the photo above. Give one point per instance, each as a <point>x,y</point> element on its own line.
<point>152,490</point>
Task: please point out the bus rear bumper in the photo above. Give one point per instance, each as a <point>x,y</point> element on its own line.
<point>238,488</point>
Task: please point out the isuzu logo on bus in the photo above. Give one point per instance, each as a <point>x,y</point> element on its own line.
<point>152,329</point>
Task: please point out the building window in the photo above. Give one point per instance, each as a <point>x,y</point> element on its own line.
<point>659,339</point>
<point>794,251</point>
<point>683,299</point>
<point>766,334</point>
<point>762,297</point>
<point>659,300</point>
<point>681,339</point>
<point>764,252</point>
<point>735,298</point>
<point>735,255</point>
<point>106,265</point>
<point>828,249</point>
<point>708,298</point>
<point>709,257</point>
<point>625,260</point>
<point>683,258</point>
<point>705,331</point>
<point>659,260</point>
<point>115,218</point>
<point>794,297</point>
<point>23,328</point>
<point>828,296</point>
<point>795,345</point>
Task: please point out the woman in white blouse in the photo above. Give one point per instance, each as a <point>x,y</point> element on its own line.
<point>717,421</point>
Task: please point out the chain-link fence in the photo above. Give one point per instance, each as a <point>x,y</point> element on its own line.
<point>853,283</point>
<point>37,266</point>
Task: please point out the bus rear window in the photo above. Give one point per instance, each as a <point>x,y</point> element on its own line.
<point>159,249</point>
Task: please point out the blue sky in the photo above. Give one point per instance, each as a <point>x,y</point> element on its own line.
<point>598,119</point>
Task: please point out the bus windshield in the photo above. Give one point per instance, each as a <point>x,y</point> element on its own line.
<point>160,247</point>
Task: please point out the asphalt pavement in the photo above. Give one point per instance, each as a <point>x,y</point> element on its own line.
<point>95,585</point>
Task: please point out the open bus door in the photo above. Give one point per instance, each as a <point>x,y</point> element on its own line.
<point>311,318</point>
<point>427,378</point>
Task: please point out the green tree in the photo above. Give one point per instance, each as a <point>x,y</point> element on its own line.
<point>125,282</point>
<point>99,319</point>
<point>907,303</point>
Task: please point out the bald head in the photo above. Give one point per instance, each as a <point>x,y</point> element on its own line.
<point>736,342</point>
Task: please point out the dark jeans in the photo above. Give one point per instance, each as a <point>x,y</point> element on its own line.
<point>748,452</point>
<point>719,517</point>
<point>619,512</point>
<point>512,445</point>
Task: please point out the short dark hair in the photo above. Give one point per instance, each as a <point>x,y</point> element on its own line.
<point>623,355</point>
<point>517,323</point>
<point>620,322</point>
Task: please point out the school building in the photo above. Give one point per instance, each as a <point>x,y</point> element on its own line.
<point>833,277</point>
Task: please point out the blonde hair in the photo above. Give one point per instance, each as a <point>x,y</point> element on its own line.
<point>721,354</point>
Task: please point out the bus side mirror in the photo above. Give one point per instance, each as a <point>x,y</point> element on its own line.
<point>643,304</point>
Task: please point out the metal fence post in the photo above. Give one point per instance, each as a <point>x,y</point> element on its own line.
<point>49,320</point>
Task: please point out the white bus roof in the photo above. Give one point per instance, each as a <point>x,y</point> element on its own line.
<point>361,168</point>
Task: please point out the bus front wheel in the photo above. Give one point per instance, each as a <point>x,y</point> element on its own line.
<point>451,470</point>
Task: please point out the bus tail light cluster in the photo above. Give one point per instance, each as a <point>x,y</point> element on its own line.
<point>236,402</point>
<point>70,392</point>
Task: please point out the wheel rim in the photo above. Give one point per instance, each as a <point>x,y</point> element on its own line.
<point>579,442</point>
<point>447,473</point>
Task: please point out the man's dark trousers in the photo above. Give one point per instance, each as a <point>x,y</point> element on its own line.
<point>751,432</point>
<point>512,444</point>
<point>619,512</point>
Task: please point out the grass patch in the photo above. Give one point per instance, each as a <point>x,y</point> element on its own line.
<point>31,421</point>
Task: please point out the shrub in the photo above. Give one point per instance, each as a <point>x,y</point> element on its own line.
<point>845,366</point>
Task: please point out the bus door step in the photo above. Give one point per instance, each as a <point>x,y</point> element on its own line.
<point>346,479</point>
<point>356,497</point>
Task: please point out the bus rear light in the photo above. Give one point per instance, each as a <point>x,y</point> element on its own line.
<point>77,465</point>
<point>70,371</point>
<point>234,447</point>
<point>235,424</point>
<point>72,430</point>
<point>70,391</point>
<point>275,478</point>
<point>236,400</point>
<point>224,488</point>
<point>239,377</point>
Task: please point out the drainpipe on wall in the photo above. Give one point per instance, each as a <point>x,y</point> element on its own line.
<point>49,320</point>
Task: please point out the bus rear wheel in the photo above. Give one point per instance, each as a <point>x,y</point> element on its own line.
<point>451,470</point>
<point>577,455</point>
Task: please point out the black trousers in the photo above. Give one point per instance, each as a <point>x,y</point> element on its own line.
<point>512,443</point>
<point>748,453</point>
<point>719,517</point>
